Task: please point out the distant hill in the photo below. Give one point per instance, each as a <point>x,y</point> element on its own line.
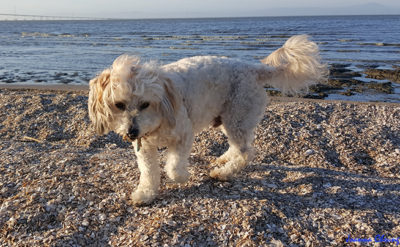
<point>361,9</point>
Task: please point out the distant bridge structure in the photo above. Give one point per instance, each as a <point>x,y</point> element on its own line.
<point>23,17</point>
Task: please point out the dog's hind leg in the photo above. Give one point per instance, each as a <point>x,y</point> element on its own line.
<point>240,152</point>
<point>149,181</point>
<point>239,123</point>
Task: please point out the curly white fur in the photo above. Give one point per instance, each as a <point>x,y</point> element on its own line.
<point>166,105</point>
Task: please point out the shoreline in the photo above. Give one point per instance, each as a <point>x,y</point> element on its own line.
<point>316,161</point>
<point>44,87</point>
<point>362,84</point>
<point>85,88</point>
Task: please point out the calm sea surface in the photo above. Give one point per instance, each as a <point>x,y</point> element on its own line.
<point>74,51</point>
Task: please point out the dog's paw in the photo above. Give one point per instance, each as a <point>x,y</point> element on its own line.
<point>179,177</point>
<point>143,197</point>
<point>221,160</point>
<point>220,174</point>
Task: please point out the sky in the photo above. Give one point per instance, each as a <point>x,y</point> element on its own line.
<point>195,8</point>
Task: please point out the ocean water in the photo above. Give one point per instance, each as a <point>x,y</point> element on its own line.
<point>75,51</point>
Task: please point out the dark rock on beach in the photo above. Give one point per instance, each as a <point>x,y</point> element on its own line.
<point>384,74</point>
<point>385,87</point>
<point>341,71</point>
<point>344,81</point>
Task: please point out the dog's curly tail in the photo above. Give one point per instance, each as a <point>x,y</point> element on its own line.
<point>295,66</point>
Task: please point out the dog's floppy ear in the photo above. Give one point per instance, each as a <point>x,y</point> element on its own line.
<point>96,105</point>
<point>169,103</point>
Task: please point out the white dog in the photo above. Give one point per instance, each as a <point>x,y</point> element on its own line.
<point>166,105</point>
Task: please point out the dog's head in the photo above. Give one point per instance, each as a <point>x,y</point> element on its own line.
<point>131,99</point>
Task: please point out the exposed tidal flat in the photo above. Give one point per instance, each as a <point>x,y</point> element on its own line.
<point>359,84</point>
<point>323,171</point>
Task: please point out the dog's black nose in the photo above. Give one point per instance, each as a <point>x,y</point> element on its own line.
<point>133,133</point>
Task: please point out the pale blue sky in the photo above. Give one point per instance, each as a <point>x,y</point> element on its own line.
<point>196,8</point>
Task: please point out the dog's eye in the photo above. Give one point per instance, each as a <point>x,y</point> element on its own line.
<point>144,106</point>
<point>120,106</point>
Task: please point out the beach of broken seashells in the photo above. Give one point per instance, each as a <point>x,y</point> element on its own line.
<point>324,171</point>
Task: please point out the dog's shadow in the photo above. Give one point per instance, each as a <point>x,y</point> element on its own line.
<point>298,191</point>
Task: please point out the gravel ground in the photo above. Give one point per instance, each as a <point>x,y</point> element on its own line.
<point>324,172</point>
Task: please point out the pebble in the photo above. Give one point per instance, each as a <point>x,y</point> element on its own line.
<point>102,217</point>
<point>309,152</point>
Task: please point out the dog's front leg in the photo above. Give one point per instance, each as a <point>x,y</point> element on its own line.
<point>177,159</point>
<point>149,167</point>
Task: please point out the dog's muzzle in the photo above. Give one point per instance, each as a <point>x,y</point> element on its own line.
<point>133,133</point>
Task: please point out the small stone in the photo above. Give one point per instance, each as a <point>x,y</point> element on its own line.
<point>49,208</point>
<point>309,152</point>
<point>85,222</point>
<point>327,185</point>
<point>102,217</point>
